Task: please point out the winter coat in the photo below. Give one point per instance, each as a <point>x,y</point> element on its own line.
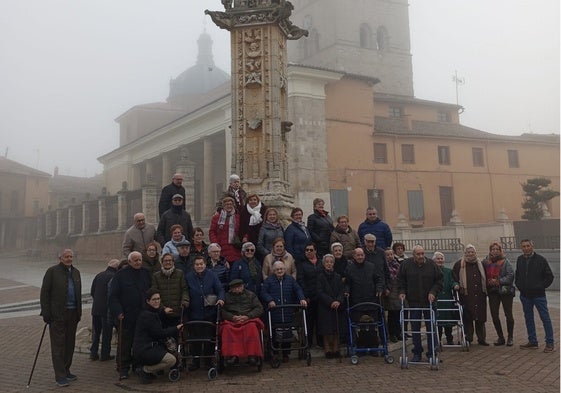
<point>185,264</point>
<point>127,293</point>
<point>296,240</point>
<point>251,232</point>
<point>240,269</point>
<point>173,290</point>
<point>246,303</point>
<point>330,288</point>
<point>148,345</point>
<point>447,294</point>
<point>349,239</point>
<point>221,269</point>
<point>165,197</point>
<point>199,286</point>
<point>54,292</point>
<point>379,229</point>
<point>137,239</point>
<point>475,302</point>
<point>320,228</point>
<point>341,265</point>
<point>533,275</point>
<point>267,235</point>
<point>219,234</point>
<point>307,277</point>
<point>153,265</point>
<point>174,215</point>
<point>99,291</point>
<point>282,292</point>
<point>364,282</point>
<point>416,282</point>
<point>171,247</point>
<point>378,258</point>
<point>288,260</point>
<point>506,276</point>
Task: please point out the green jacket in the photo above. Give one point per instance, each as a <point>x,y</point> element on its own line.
<point>173,290</point>
<point>245,303</point>
<point>54,292</point>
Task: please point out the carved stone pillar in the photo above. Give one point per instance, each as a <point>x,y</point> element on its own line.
<point>102,214</point>
<point>150,197</point>
<point>85,217</point>
<point>187,169</point>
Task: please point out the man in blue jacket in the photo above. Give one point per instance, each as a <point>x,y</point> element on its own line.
<point>374,225</point>
<point>533,275</point>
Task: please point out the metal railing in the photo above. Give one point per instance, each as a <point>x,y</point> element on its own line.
<point>446,244</point>
<point>540,242</point>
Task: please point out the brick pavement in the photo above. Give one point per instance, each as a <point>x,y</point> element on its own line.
<point>482,369</point>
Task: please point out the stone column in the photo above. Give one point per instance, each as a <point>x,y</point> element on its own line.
<point>58,222</point>
<point>166,169</point>
<point>208,185</point>
<point>122,210</point>
<point>71,220</point>
<point>40,233</point>
<point>48,224</point>
<point>85,217</point>
<point>102,214</point>
<point>150,197</point>
<point>187,169</point>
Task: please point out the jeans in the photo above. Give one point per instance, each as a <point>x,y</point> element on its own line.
<point>541,304</point>
<point>415,318</point>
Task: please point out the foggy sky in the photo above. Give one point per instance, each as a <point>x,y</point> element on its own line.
<point>68,68</point>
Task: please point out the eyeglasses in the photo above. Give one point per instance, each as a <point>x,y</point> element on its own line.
<point>155,299</point>
<point>250,250</point>
<point>310,250</point>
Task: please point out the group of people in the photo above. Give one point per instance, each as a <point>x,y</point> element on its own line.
<point>253,263</point>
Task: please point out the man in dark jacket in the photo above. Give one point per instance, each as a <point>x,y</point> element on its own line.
<point>420,280</point>
<point>61,308</point>
<point>363,279</point>
<point>374,225</point>
<point>126,301</point>
<point>176,214</point>
<point>377,256</point>
<point>533,275</point>
<point>175,187</point>
<point>100,325</point>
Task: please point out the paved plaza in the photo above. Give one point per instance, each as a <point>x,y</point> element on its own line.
<point>482,369</point>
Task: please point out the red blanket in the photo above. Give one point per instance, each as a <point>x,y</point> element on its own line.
<point>241,339</point>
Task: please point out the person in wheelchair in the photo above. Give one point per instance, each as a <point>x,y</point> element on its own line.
<point>149,347</point>
<point>241,324</point>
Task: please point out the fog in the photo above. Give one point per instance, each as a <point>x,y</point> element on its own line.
<point>69,68</point>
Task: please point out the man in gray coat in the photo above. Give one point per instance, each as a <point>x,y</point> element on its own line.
<point>138,236</point>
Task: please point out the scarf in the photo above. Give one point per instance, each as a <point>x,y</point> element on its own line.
<point>493,269</point>
<point>255,214</point>
<point>224,215</point>
<point>303,228</point>
<point>168,272</point>
<point>393,267</point>
<point>463,275</point>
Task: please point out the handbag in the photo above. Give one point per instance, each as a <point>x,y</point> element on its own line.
<point>210,300</point>
<point>506,290</point>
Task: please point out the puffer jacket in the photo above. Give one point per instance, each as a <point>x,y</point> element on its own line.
<point>320,228</point>
<point>282,292</point>
<point>267,235</point>
<point>173,290</point>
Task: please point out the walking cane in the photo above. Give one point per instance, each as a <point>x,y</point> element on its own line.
<point>120,348</point>
<point>338,333</point>
<point>37,355</point>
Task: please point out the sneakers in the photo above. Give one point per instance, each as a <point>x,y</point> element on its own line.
<point>124,374</point>
<point>549,348</point>
<point>509,342</point>
<point>71,377</point>
<point>529,345</point>
<point>62,383</point>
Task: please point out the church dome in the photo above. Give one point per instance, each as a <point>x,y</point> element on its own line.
<point>200,78</point>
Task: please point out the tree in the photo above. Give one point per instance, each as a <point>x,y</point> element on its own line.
<point>536,194</point>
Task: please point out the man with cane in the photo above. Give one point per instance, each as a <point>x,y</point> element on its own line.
<point>61,308</point>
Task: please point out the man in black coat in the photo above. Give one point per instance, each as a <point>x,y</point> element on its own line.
<point>100,324</point>
<point>61,309</point>
<point>175,187</point>
<point>176,214</point>
<point>126,301</point>
<point>377,256</point>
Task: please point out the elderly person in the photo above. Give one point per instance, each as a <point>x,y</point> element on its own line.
<point>374,225</point>
<point>341,262</point>
<point>205,292</point>
<point>198,245</point>
<point>184,261</point>
<point>296,234</point>
<point>176,237</point>
<point>251,219</point>
<point>270,230</point>
<point>470,274</point>
<point>224,230</point>
<point>240,329</point>
<point>278,254</point>
<point>330,293</point>
<point>399,251</point>
<point>500,289</point>
<point>320,226</point>
<point>345,235</point>
<point>126,300</point>
<point>170,283</point>
<point>148,347</point>
<point>217,264</point>
<point>248,269</point>
<point>282,289</point>
<point>447,294</point>
<point>377,257</point>
<point>175,187</point>
<point>420,281</point>
<point>138,236</point>
<point>151,258</point>
<point>308,269</point>
<point>391,301</point>
<point>236,192</point>
<point>175,215</point>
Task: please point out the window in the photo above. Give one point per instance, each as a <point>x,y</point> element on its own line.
<point>477,153</point>
<point>408,154</point>
<point>395,111</point>
<point>382,38</point>
<point>513,159</point>
<point>380,153</point>
<point>365,36</point>
<point>339,202</point>
<point>416,205</point>
<point>443,116</point>
<point>444,155</point>
<point>446,204</point>
<point>376,200</point>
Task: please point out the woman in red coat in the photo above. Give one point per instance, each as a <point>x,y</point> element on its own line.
<point>224,230</point>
